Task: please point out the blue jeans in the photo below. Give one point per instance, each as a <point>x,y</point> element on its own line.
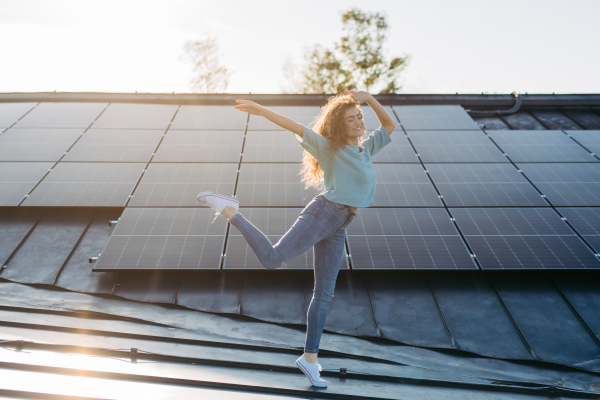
<point>321,224</point>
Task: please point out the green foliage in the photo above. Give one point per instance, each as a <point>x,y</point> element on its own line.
<point>357,61</point>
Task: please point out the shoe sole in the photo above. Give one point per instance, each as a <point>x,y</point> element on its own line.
<point>204,194</point>
<point>308,376</point>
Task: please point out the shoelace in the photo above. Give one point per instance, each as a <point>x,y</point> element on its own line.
<point>216,216</point>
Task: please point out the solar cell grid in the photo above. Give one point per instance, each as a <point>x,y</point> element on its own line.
<point>403,185</point>
<point>475,185</point>
<point>115,145</point>
<point>62,115</point>
<point>11,112</point>
<point>398,150</point>
<point>530,238</point>
<point>455,146</point>
<point>210,117</point>
<point>200,146</point>
<point>177,184</point>
<point>566,184</point>
<point>87,185</point>
<point>540,146</point>
<point>589,139</point>
<point>370,118</point>
<point>586,222</point>
<point>164,238</point>
<point>36,144</point>
<point>301,114</point>
<point>274,223</point>
<point>434,117</point>
<point>136,116</point>
<point>271,146</point>
<point>406,239</point>
<point>18,178</point>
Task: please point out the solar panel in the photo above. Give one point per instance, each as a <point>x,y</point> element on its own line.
<point>434,117</point>
<point>476,185</point>
<point>522,238</point>
<point>566,184</point>
<point>18,178</point>
<point>455,146</point>
<point>398,150</point>
<point>589,139</point>
<point>136,116</point>
<point>540,146</point>
<point>586,222</point>
<point>370,118</point>
<point>210,117</point>
<point>36,144</point>
<point>11,112</point>
<point>272,185</point>
<point>301,114</point>
<point>200,146</point>
<point>274,223</point>
<point>271,146</point>
<point>86,185</point>
<point>164,238</point>
<point>177,185</point>
<point>15,224</point>
<point>403,185</point>
<point>406,238</point>
<point>115,145</point>
<point>62,115</point>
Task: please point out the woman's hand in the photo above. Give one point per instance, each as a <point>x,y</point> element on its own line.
<point>361,97</point>
<point>249,106</point>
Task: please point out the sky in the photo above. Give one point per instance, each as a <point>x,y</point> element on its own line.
<point>464,46</point>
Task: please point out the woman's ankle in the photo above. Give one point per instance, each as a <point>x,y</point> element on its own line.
<point>311,357</point>
<point>229,212</point>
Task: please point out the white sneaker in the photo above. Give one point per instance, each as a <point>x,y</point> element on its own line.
<point>312,371</point>
<point>217,202</point>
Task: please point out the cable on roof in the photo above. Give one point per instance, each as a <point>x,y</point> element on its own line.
<point>512,110</point>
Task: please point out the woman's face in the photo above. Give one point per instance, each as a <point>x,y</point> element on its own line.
<point>355,126</point>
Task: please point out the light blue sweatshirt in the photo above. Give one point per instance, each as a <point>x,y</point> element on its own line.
<point>350,177</point>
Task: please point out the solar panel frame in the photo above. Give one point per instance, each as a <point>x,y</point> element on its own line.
<point>11,112</point>
<point>522,238</point>
<point>301,114</point>
<point>455,146</point>
<point>434,117</point>
<point>483,185</point>
<point>177,184</point>
<point>540,146</point>
<point>36,144</point>
<point>86,185</point>
<point>590,139</point>
<point>200,146</point>
<point>271,146</point>
<point>115,145</point>
<point>180,239</point>
<point>586,221</point>
<point>208,117</point>
<point>406,238</point>
<point>136,116</point>
<point>62,115</point>
<point>17,179</point>
<point>274,223</point>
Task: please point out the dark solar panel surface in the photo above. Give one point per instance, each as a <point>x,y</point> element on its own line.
<point>87,185</point>
<point>586,222</point>
<point>136,116</point>
<point>164,238</point>
<point>398,150</point>
<point>274,223</point>
<point>589,139</point>
<point>404,185</point>
<point>272,185</point>
<point>523,238</point>
<point>177,184</point>
<point>271,146</point>
<point>540,146</point>
<point>11,112</point>
<point>301,114</point>
<point>455,146</point>
<point>115,145</point>
<point>62,115</point>
<point>200,146</point>
<point>370,118</point>
<point>36,144</point>
<point>18,178</point>
<point>210,117</point>
<point>406,238</point>
<point>566,184</point>
<point>434,117</point>
<point>487,185</point>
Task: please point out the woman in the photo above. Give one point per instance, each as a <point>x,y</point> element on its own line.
<point>336,156</point>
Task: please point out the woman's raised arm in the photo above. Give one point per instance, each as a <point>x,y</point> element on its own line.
<point>278,119</point>
<point>384,118</point>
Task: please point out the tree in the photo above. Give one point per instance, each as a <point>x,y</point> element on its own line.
<point>209,76</point>
<point>358,60</point>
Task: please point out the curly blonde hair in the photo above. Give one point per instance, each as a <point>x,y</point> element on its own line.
<point>330,124</point>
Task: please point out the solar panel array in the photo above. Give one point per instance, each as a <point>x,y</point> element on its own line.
<point>449,195</point>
